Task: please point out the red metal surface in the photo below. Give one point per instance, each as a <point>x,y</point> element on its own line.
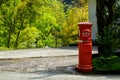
<point>85,48</point>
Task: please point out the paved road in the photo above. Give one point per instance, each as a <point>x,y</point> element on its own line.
<point>41,52</point>
<point>54,76</point>
<point>47,52</point>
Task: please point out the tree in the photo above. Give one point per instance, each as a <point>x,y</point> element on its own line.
<point>25,14</point>
<point>48,17</point>
<point>7,12</point>
<point>49,22</point>
<point>105,12</point>
<point>74,15</point>
<point>28,37</point>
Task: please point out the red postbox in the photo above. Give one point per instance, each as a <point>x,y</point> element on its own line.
<point>85,48</point>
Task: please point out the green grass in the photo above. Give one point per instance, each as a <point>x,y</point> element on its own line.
<point>109,64</point>
<point>5,48</point>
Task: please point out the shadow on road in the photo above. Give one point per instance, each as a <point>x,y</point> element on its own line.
<point>61,70</point>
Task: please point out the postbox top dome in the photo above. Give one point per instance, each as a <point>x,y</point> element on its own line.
<point>85,23</point>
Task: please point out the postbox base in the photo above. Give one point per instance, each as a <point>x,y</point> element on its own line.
<point>84,68</point>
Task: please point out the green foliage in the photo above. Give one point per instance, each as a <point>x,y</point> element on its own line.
<point>3,48</point>
<point>39,23</point>
<point>116,18</point>
<point>106,64</point>
<point>49,22</point>
<point>108,40</point>
<point>107,14</point>
<point>28,37</point>
<point>116,10</point>
<point>73,17</point>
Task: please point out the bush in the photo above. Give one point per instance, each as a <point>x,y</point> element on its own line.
<point>108,41</point>
<point>110,64</point>
<point>4,48</point>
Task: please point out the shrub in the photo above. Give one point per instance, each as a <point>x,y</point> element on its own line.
<point>108,41</point>
<point>106,64</point>
<point>4,48</point>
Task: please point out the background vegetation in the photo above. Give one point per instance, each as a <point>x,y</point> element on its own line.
<point>108,22</point>
<point>108,17</point>
<point>39,23</point>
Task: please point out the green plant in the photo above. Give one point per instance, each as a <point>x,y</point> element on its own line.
<point>106,64</point>
<point>5,48</point>
<point>108,41</point>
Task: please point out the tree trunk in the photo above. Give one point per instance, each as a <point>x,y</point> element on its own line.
<point>9,37</point>
<point>104,15</point>
<point>12,24</point>
<point>18,34</point>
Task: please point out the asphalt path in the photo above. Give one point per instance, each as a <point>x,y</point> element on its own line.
<point>42,52</point>
<point>48,52</point>
<point>54,76</point>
